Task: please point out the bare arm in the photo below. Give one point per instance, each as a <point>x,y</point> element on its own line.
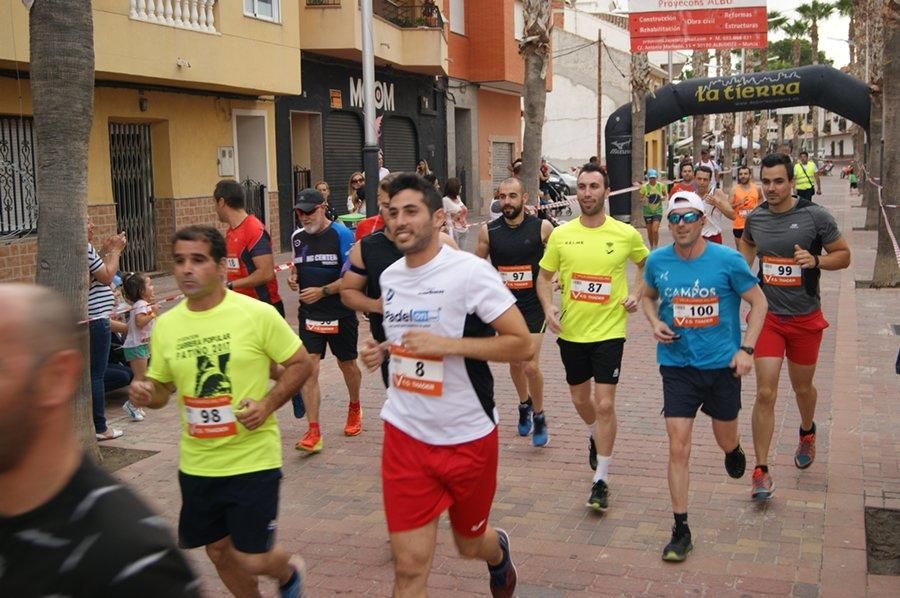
<point>112,248</point>
<point>353,287</point>
<point>836,258</point>
<point>483,248</point>
<point>448,241</point>
<point>748,250</point>
<point>741,361</point>
<point>546,229</point>
<point>265,271</point>
<point>630,303</point>
<point>721,202</point>
<point>150,393</point>
<point>544,291</point>
<point>661,331</point>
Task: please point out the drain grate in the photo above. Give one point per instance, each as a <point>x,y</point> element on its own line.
<point>883,541</point>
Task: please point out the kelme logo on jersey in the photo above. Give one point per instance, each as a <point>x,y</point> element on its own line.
<point>413,316</point>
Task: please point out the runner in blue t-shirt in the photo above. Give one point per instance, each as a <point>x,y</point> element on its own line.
<point>692,298</point>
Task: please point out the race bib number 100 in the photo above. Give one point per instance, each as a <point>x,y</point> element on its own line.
<point>695,312</point>
<point>590,288</point>
<point>209,417</point>
<point>781,271</point>
<point>421,374</point>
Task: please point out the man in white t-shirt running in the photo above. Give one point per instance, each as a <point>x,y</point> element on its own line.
<point>446,314</point>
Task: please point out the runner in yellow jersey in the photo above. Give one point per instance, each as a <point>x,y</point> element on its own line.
<point>590,254</point>
<point>215,350</point>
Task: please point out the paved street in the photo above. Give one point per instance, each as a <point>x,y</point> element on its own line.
<point>808,541</point>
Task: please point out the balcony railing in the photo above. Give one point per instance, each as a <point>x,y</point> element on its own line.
<point>409,15</point>
<point>196,15</point>
<point>323,2</point>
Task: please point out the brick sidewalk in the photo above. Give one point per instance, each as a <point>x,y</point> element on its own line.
<point>808,541</point>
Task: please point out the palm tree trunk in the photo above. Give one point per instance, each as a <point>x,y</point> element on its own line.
<point>698,65</point>
<point>873,162</point>
<point>640,82</point>
<point>724,59</point>
<point>814,113</point>
<point>534,47</point>
<point>859,51</point>
<point>887,272</point>
<point>62,85</point>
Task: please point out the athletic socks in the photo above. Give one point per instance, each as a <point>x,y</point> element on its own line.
<point>805,432</point>
<point>602,472</point>
<point>763,468</point>
<point>681,525</point>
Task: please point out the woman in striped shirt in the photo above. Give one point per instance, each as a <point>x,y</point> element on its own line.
<point>100,304</point>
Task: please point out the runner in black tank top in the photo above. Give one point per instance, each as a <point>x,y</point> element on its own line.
<point>377,252</point>
<point>515,244</point>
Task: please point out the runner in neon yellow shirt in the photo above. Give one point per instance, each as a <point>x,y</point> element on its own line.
<point>590,254</point>
<point>214,350</point>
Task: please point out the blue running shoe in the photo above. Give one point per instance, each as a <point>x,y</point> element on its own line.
<point>299,407</point>
<point>294,587</point>
<point>540,437</point>
<point>504,576</point>
<point>524,419</point>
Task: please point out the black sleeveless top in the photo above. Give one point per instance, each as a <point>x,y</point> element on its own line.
<point>378,252</point>
<point>522,247</point>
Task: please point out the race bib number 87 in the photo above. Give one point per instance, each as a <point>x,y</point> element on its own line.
<point>590,288</point>
<point>209,417</point>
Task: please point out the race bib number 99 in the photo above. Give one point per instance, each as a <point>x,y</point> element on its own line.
<point>516,277</point>
<point>781,271</point>
<point>590,288</point>
<point>695,312</point>
<point>209,417</point>
<point>421,374</point>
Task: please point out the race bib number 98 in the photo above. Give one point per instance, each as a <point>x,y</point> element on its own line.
<point>209,417</point>
<point>781,271</point>
<point>590,288</point>
<point>421,374</point>
<point>695,312</point>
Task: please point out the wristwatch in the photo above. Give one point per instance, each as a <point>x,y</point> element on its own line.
<point>747,350</point>
<point>325,291</point>
<point>229,285</point>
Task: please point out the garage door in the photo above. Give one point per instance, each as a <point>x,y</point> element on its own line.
<point>399,143</point>
<point>343,154</point>
<point>501,158</point>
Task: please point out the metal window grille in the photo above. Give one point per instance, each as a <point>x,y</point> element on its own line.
<point>18,198</point>
<point>131,167</point>
<point>255,198</point>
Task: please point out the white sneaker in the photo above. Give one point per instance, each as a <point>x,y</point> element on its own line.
<point>133,412</point>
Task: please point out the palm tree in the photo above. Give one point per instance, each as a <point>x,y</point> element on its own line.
<point>723,59</point>
<point>62,86</point>
<point>698,65</point>
<point>876,129</point>
<point>795,31</point>
<point>814,12</point>
<point>887,272</point>
<point>640,84</point>
<point>535,49</point>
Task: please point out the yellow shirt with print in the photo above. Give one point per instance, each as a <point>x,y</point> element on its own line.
<point>216,358</point>
<point>805,176</point>
<point>593,254</point>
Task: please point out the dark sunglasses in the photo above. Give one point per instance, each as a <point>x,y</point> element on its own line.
<point>305,213</point>
<point>358,181</point>
<point>688,218</point>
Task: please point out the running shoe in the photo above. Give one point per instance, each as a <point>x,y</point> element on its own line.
<point>294,587</point>
<point>133,412</point>
<point>678,547</point>
<point>599,498</point>
<point>311,442</point>
<point>763,487</point>
<point>540,436</point>
<point>592,454</point>
<point>503,579</point>
<point>354,420</point>
<point>524,419</point>
<point>298,405</point>
<point>736,463</point>
<point>806,451</point>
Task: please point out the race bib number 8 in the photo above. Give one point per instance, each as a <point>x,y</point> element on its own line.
<point>781,271</point>
<point>209,417</point>
<point>590,288</point>
<point>421,374</point>
<point>695,312</point>
<point>322,326</point>
<point>516,277</point>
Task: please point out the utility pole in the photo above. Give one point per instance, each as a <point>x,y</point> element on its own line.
<point>599,93</point>
<point>670,137</point>
<point>370,149</point>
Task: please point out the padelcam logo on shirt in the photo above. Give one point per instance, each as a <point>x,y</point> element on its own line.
<point>413,316</point>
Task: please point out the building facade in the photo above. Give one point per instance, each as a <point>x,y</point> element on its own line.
<point>182,98</point>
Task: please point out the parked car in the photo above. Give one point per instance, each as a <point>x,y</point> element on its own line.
<point>568,180</point>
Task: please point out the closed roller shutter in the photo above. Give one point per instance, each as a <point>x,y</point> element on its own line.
<point>501,158</point>
<point>398,141</point>
<point>343,155</point>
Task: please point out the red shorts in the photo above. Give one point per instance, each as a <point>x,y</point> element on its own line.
<point>797,337</point>
<point>420,481</point>
<point>717,238</point>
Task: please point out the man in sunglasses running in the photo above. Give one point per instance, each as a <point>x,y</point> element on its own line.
<point>692,298</point>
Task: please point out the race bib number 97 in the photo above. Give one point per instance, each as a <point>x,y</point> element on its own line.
<point>209,417</point>
<point>516,277</point>
<point>421,374</point>
<point>781,271</point>
<point>695,312</point>
<point>590,288</point>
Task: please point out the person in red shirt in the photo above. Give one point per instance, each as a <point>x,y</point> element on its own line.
<point>376,222</point>
<point>251,267</point>
<point>687,180</point>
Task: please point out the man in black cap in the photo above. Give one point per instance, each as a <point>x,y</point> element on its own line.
<point>320,250</point>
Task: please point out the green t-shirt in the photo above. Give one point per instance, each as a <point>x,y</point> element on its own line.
<point>853,178</point>
<point>216,358</point>
<point>654,195</point>
<point>592,277</point>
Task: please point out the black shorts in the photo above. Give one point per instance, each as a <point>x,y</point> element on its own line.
<point>717,393</point>
<point>738,232</point>
<point>534,316</point>
<point>601,360</point>
<point>243,507</point>
<point>853,185</point>
<point>342,343</point>
<point>806,193</point>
